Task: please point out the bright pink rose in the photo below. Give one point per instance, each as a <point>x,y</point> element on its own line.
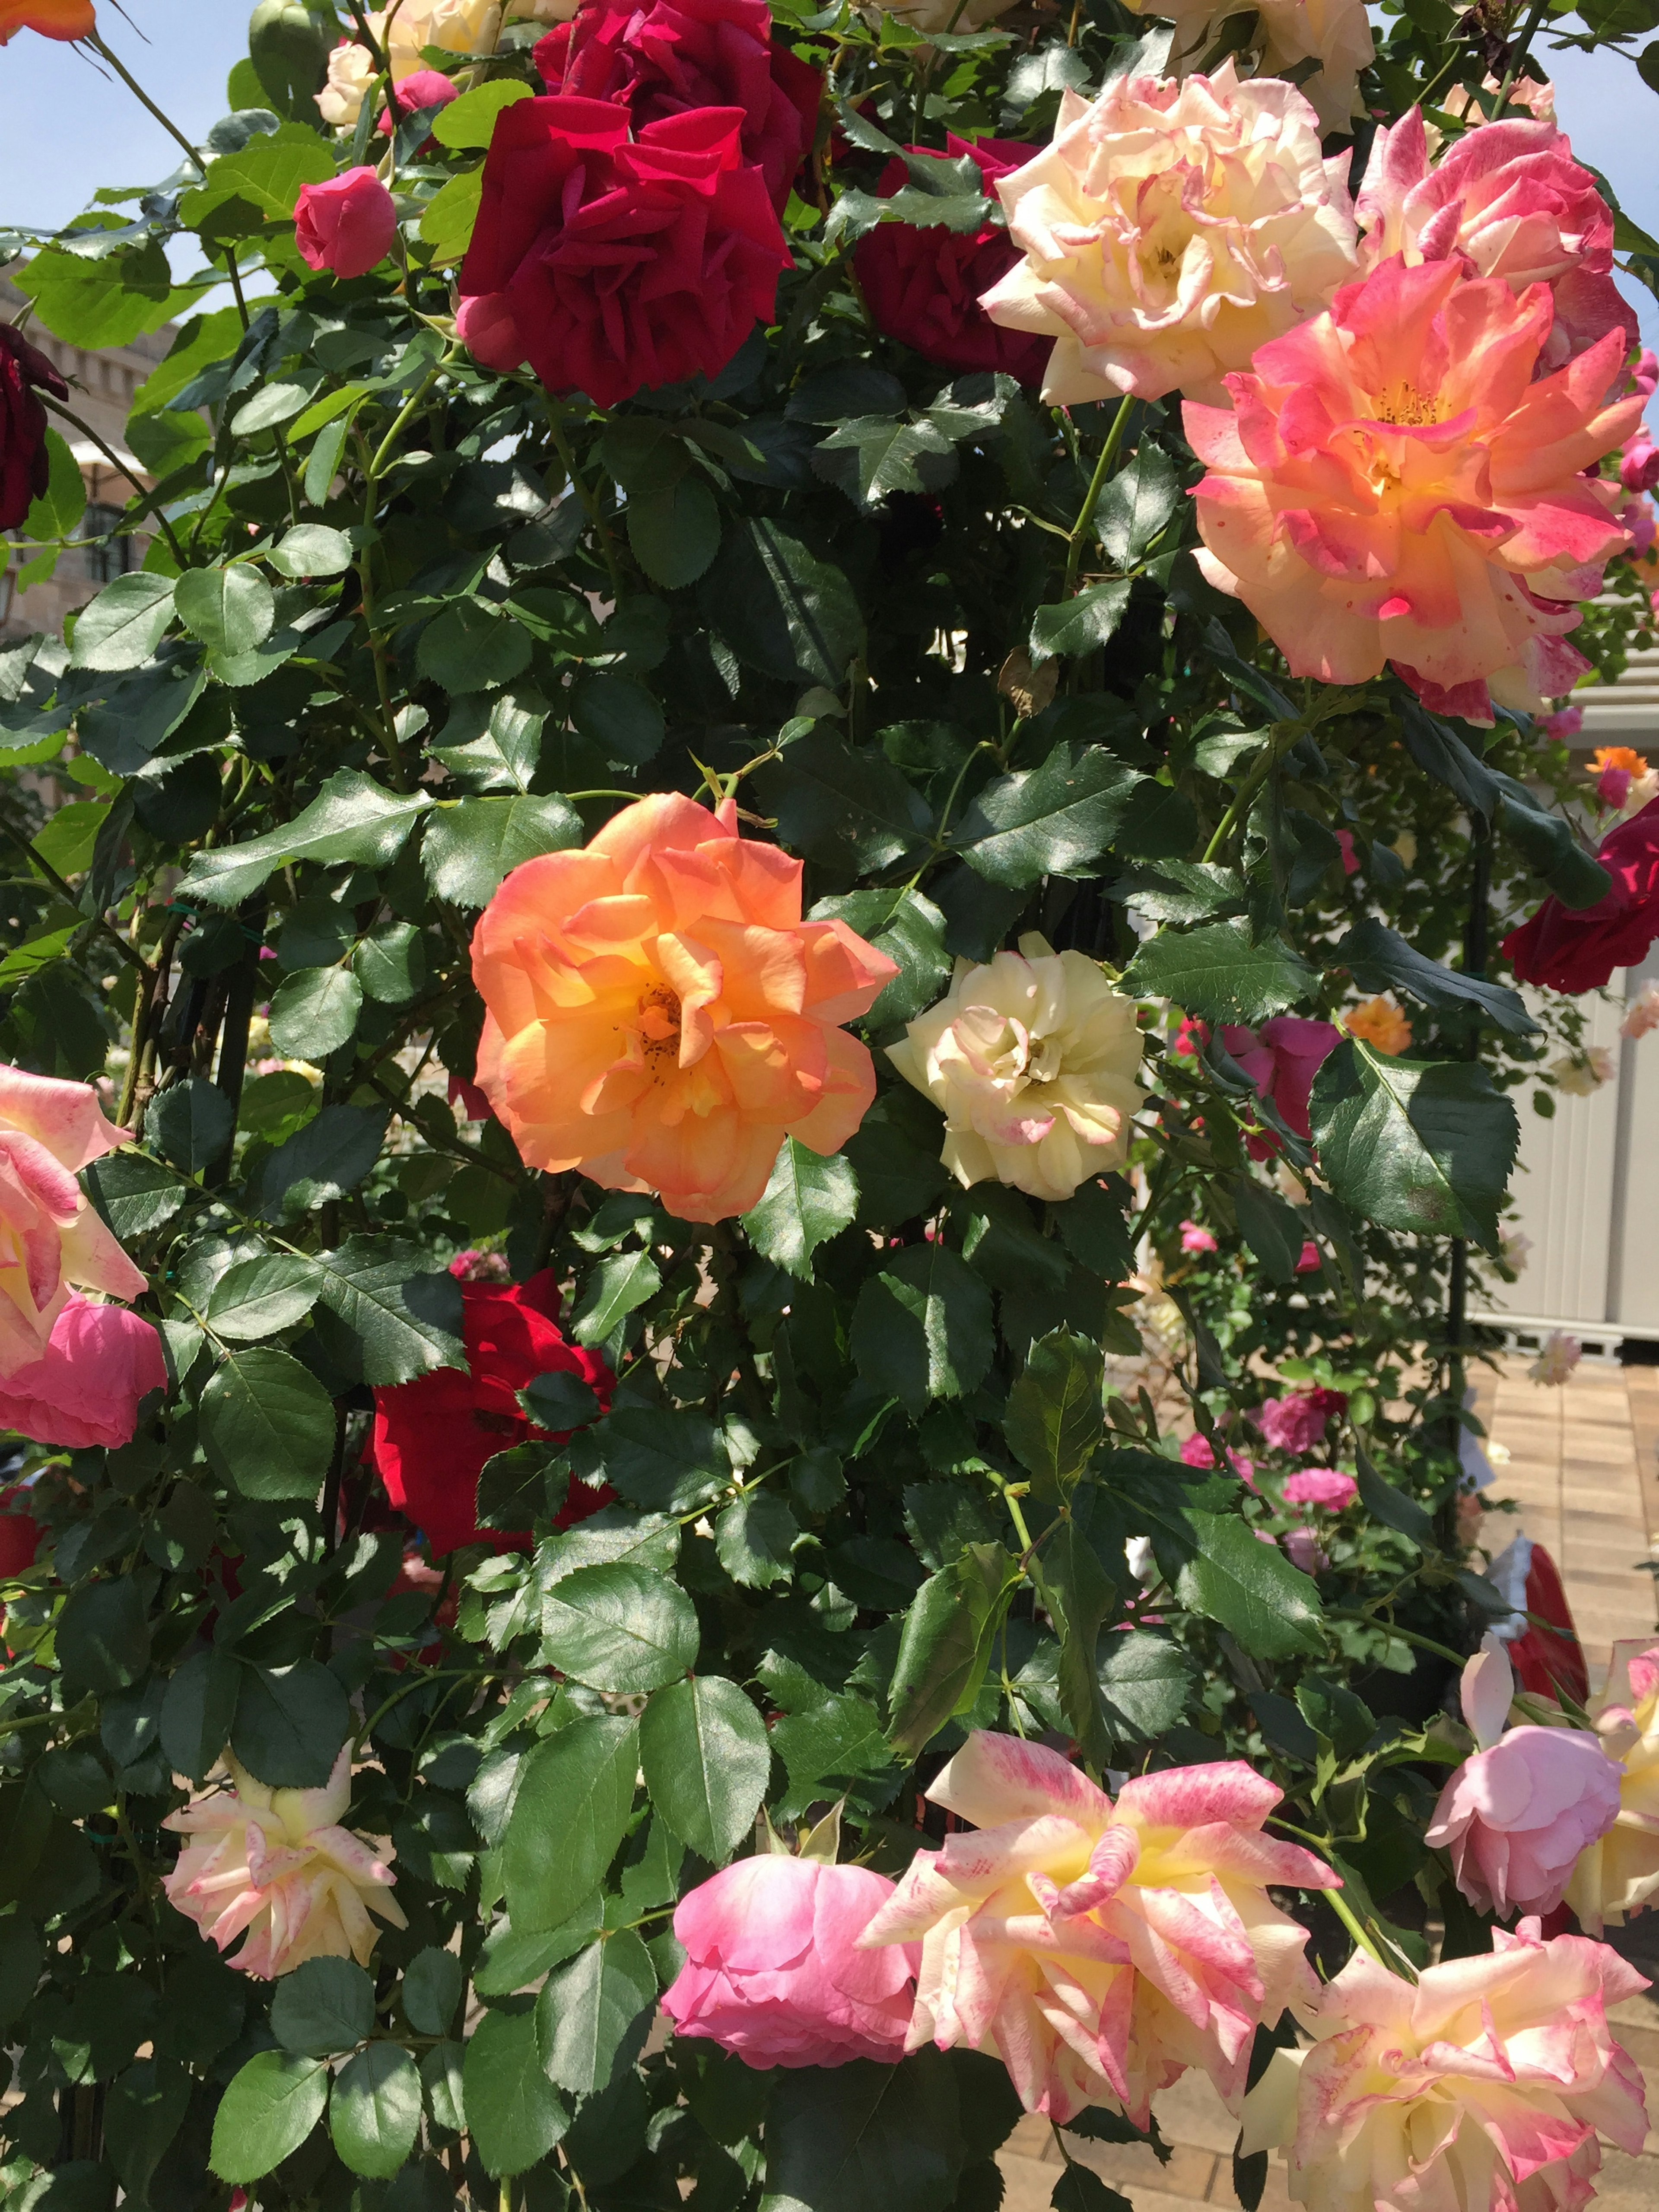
<point>1638,518</point>
<point>1517,1814</point>
<point>1350,858</point>
<point>1309,1261</point>
<point>1566,722</point>
<point>1510,197</point>
<point>1613,786</point>
<point>50,1238</point>
<point>1197,1450</point>
<point>669,56</point>
<point>614,264</point>
<point>100,1361</point>
<point>1645,374</point>
<point>1297,1424</point>
<point>489,330</point>
<point>1638,467</point>
<point>1281,1058</point>
<point>773,1972</point>
<point>1575,951</point>
<point>347,223</point>
<point>424,89</point>
<point>1190,1039</point>
<point>1326,1487</point>
<point>923,282</point>
<point>1304,1549</point>
<point>1193,1238</point>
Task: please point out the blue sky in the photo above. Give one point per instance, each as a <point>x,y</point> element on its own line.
<point>70,128</point>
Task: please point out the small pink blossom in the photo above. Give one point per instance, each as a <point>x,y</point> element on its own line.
<point>1638,464</point>
<point>1310,1260</point>
<point>475,1267</point>
<point>1642,1012</point>
<point>1304,1549</point>
<point>1560,1354</point>
<point>1326,1487</point>
<point>1196,1239</point>
<point>1190,1039</point>
<point>1297,1423</point>
<point>1350,858</point>
<point>1645,374</point>
<point>86,1388</point>
<point>773,1970</point>
<point>1282,1058</point>
<point>1197,1450</point>
<point>1566,722</point>
<point>424,88</point>
<point>1638,518</point>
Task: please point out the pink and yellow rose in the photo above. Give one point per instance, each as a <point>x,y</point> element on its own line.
<point>1619,1873</point>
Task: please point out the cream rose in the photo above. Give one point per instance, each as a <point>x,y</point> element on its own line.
<point>1335,33</point>
<point>1168,231</point>
<point>1619,1874</point>
<point>1033,1058</point>
<point>458,26</point>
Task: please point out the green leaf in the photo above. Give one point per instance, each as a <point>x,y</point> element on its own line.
<point>258,1297</point>
<point>433,1985</point>
<point>1137,505</point>
<point>856,2137</point>
<point>853,810</point>
<point>231,610</point>
<point>674,533</point>
<point>389,964</point>
<point>311,548</point>
<point>618,714</point>
<point>190,1124</point>
<point>1080,623</point>
<point>125,623</point>
<point>1422,1145</point>
<point>447,226</point>
<point>69,838</point>
<point>665,1463</point>
<point>144,2111</point>
<point>198,1712</point>
<point>268,173</point>
<point>315,1012</point>
<point>267,2111</point>
<point>619,1629</point>
<point>611,1292</point>
<point>592,2016</point>
<point>1078,1596</point>
<point>883,452</point>
<point>706,1759</point>
<point>1079,2188</point>
<point>22,1953</point>
<point>1217,973</point>
<point>404,1319</point>
<point>1247,1588</point>
<point>324,2006</point>
<point>947,1646</point>
<point>753,1538</point>
<point>569,1815</point>
<point>103,1636</point>
<point>1054,1422</point>
<point>107,302</point>
<point>1393,1508</point>
<point>330,1156</point>
<point>1047,820</point>
<point>472,845</point>
<point>1272,1230</point>
<point>782,608</point>
<point>471,648</point>
<point>290,1722</point>
<point>376,2111</point>
<point>921,1327</point>
<point>1146,1682</point>
<point>1379,959</point>
<point>441,2074</point>
<point>513,2113</point>
<point>808,1200</point>
<point>352,818</point>
<point>58,508</point>
<point>470,121</point>
<point>267,1424</point>
<point>910,930</point>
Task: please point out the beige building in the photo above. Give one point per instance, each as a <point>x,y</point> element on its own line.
<point>101,388</point>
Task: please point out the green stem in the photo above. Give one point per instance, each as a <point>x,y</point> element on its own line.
<point>589,499</point>
<point>1393,1628</point>
<point>1517,55</point>
<point>235,276</point>
<point>60,883</point>
<point>1247,790</point>
<point>120,467</point>
<point>365,565</point>
<point>142,97</point>
<point>406,414</point>
<point>1097,485</point>
<point>1345,1913</point>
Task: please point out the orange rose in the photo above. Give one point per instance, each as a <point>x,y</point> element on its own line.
<point>660,1016</point>
<point>54,19</point>
<point>1381,1025</point>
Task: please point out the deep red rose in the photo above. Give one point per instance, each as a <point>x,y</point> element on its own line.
<point>1575,952</point>
<point>433,1435</point>
<point>669,56</point>
<point>24,466</point>
<point>923,283</point>
<point>622,265</point>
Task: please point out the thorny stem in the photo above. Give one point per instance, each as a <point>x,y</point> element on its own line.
<point>235,276</point>
<point>1517,55</point>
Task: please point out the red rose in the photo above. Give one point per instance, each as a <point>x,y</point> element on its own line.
<point>433,1435</point>
<point>1578,951</point>
<point>923,283</point>
<point>668,56</point>
<point>347,224</point>
<point>621,265</point>
<point>23,463</point>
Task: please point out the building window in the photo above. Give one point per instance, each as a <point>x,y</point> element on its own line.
<point>107,557</point>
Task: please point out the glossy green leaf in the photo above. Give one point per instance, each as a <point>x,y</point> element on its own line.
<point>324,2006</point>
<point>619,1629</point>
<point>921,1327</point>
<point>705,1756</point>
<point>1217,973</point>
<point>1422,1145</point>
<point>808,1200</point>
<point>569,1813</point>
<point>593,2014</point>
<point>513,2113</point>
<point>267,2111</point>
<point>947,1646</point>
<point>267,1424</point>
<point>375,2110</point>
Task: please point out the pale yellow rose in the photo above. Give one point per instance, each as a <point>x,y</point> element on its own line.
<point>1170,230</point>
<point>458,26</point>
<point>1335,33</point>
<point>1620,1875</point>
<point>1033,1057</point>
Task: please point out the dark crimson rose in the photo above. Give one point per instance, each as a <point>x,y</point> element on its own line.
<point>923,283</point>
<point>24,466</point>
<point>433,1435</point>
<point>669,56</point>
<point>614,266</point>
<point>1578,951</point>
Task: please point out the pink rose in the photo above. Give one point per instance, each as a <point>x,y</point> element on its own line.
<point>85,1389</point>
<point>489,329</point>
<point>50,1238</point>
<point>1645,374</point>
<point>772,1973</point>
<point>1638,518</point>
<point>1309,1262</point>
<point>1304,1549</point>
<point>423,88</point>
<point>1197,1450</point>
<point>1195,1239</point>
<point>1517,1814</point>
<point>1321,1486</point>
<point>347,224</point>
<point>1350,858</point>
<point>1281,1058</point>
<point>1297,1423</point>
<point>1638,463</point>
<point>1566,722</point>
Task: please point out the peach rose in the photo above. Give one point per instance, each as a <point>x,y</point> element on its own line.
<point>50,1237</point>
<point>658,1015</point>
<point>1379,1023</point>
<point>1335,33</point>
<point>54,19</point>
<point>1033,1058</point>
<point>1170,230</point>
<point>1098,1949</point>
<point>276,1863</point>
<point>1619,1874</point>
<point>1395,485</point>
<point>1483,2085</point>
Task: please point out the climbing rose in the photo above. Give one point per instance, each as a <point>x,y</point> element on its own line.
<point>85,1388</point>
<point>615,263</point>
<point>1517,1814</point>
<point>1379,1023</point>
<point>433,1436</point>
<point>1565,722</point>
<point>1619,1873</point>
<point>1638,465</point>
<point>1098,1949</point>
<point>658,1015</point>
<point>1297,1424</point>
<point>1168,231</point>
<point>668,56</point>
<point>54,19</point>
<point>1485,2084</point>
<point>25,465</point>
<point>50,1237</point>
<point>1196,1238</point>
<point>1287,33</point>
<point>426,88</point>
<point>1326,1487</point>
<point>277,1863</point>
<point>773,1971</point>
<point>1560,1354</point>
<point>923,281</point>
<point>1033,1058</point>
<point>348,223</point>
<point>457,27</point>
<point>1510,199</point>
<point>1282,1058</point>
<point>1394,486</point>
<point>1578,950</point>
<point>1197,1450</point>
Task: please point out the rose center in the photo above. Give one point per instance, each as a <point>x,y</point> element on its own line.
<point>1403,403</point>
<point>658,1017</point>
